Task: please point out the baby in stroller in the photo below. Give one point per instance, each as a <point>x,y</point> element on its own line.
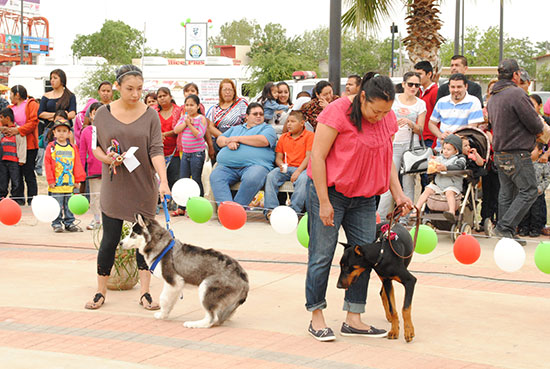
<point>450,185</point>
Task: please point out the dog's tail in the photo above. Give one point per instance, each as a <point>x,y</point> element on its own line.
<point>226,313</point>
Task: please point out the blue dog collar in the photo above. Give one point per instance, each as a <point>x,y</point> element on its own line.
<point>159,258</point>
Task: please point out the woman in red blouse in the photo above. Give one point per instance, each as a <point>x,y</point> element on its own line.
<point>169,114</point>
<point>351,163</point>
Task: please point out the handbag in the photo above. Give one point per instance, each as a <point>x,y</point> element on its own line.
<point>415,159</point>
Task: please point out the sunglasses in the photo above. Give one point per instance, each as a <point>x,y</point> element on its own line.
<point>411,84</point>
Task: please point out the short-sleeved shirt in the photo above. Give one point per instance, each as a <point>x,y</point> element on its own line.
<point>410,112</point>
<point>452,116</point>
<point>136,192</point>
<point>359,162</point>
<point>294,149</point>
<point>19,113</point>
<point>247,155</point>
<point>64,158</point>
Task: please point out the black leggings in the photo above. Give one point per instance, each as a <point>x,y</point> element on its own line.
<point>112,229</point>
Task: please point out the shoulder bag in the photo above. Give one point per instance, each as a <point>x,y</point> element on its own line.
<point>415,159</point>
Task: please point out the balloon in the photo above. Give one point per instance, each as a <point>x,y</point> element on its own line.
<point>210,21</point>
<point>509,255</point>
<point>183,189</point>
<point>466,249</point>
<point>10,212</point>
<point>301,232</point>
<point>283,219</point>
<point>199,209</point>
<point>542,257</point>
<point>378,220</point>
<point>182,24</point>
<point>45,208</point>
<point>232,215</point>
<point>426,241</point>
<point>187,20</point>
<point>78,204</point>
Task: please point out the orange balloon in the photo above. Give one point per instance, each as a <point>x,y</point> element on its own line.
<point>232,215</point>
<point>466,249</point>
<point>10,212</point>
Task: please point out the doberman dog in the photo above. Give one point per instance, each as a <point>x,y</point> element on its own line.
<point>389,255</point>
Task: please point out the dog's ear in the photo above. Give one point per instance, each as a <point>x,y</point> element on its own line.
<point>346,245</point>
<point>140,220</point>
<point>358,250</point>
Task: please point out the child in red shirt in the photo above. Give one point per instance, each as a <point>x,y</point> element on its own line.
<point>291,158</point>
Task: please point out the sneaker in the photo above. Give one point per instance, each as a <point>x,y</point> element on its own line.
<point>507,234</point>
<point>449,216</point>
<point>58,229</point>
<point>93,225</point>
<point>371,332</point>
<point>523,232</point>
<point>73,228</point>
<point>323,335</point>
<point>534,233</point>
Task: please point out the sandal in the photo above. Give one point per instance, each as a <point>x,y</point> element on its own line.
<point>94,304</point>
<point>178,213</point>
<point>149,305</point>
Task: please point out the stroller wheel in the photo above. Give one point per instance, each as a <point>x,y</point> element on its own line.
<point>466,228</point>
<point>455,232</point>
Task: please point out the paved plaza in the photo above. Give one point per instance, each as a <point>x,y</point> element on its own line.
<point>471,317</point>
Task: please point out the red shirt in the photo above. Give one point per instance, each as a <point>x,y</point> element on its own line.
<point>295,148</point>
<point>165,126</point>
<point>430,98</point>
<point>359,162</point>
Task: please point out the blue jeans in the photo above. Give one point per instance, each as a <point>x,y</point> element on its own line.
<point>65,214</point>
<point>10,171</point>
<point>275,179</point>
<point>518,188</point>
<point>357,215</point>
<point>252,180</point>
<point>191,167</point>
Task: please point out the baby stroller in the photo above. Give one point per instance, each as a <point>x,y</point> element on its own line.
<point>467,201</point>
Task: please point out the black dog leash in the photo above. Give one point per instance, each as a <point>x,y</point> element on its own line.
<point>172,242</point>
<point>394,217</point>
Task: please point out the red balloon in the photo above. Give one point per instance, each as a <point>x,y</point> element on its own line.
<point>10,212</point>
<point>466,249</point>
<point>378,220</point>
<point>232,215</point>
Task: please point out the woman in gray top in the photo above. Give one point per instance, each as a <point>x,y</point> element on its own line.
<point>123,124</point>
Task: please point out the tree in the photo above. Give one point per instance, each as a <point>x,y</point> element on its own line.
<point>88,88</point>
<point>543,78</point>
<point>424,39</point>
<point>116,41</point>
<point>239,32</point>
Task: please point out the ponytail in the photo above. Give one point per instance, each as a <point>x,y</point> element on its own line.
<point>374,86</point>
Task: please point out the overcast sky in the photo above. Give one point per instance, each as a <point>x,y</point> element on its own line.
<point>67,18</point>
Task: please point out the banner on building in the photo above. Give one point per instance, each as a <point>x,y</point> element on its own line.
<point>196,43</point>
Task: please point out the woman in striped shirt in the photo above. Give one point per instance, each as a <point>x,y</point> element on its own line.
<point>192,126</point>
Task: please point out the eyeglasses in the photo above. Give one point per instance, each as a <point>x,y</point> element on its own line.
<point>227,90</point>
<point>411,84</point>
<point>258,114</point>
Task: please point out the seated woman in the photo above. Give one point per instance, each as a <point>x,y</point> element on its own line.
<point>247,155</point>
<point>322,95</point>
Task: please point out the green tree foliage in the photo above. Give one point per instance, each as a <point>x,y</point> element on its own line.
<point>239,32</point>
<point>543,78</point>
<point>116,41</point>
<point>88,88</point>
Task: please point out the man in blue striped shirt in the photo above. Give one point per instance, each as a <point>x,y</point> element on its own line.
<point>457,110</point>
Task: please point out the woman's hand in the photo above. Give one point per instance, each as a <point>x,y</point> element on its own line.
<point>326,213</point>
<point>405,202</point>
<point>114,158</point>
<point>164,189</point>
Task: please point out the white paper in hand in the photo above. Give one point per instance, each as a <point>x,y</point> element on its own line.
<point>130,160</point>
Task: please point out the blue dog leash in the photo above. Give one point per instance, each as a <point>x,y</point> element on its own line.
<point>172,243</point>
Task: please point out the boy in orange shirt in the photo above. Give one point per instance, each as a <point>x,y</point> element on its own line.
<point>291,159</point>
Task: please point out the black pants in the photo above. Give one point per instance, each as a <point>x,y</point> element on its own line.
<point>173,170</point>
<point>489,203</point>
<point>28,175</point>
<point>112,229</point>
<point>535,220</point>
<point>10,172</point>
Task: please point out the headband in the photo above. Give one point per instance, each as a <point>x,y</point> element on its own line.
<point>133,71</point>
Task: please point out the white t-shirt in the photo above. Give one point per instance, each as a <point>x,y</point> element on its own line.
<point>403,135</point>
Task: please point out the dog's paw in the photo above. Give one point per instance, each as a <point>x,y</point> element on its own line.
<point>160,315</point>
<point>409,333</point>
<point>393,334</point>
<point>196,324</point>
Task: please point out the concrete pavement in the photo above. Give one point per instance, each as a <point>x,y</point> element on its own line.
<point>465,316</point>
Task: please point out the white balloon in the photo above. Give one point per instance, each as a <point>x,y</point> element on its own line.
<point>45,208</point>
<point>284,219</point>
<point>184,189</point>
<point>509,255</point>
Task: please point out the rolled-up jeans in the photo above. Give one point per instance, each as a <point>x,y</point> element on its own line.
<point>252,180</point>
<point>518,187</point>
<point>357,215</point>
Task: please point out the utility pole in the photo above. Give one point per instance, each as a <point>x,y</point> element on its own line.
<point>457,26</point>
<point>501,33</point>
<point>393,30</point>
<point>462,36</point>
<point>334,46</point>
<point>21,41</point>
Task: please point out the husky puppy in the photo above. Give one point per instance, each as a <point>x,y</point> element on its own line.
<point>222,282</point>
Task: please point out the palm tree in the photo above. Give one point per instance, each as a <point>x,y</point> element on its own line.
<point>423,25</point>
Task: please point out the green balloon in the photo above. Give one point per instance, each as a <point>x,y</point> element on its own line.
<point>78,204</point>
<point>199,209</point>
<point>301,232</point>
<point>426,241</point>
<point>542,257</point>
<point>182,24</point>
<point>188,20</point>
